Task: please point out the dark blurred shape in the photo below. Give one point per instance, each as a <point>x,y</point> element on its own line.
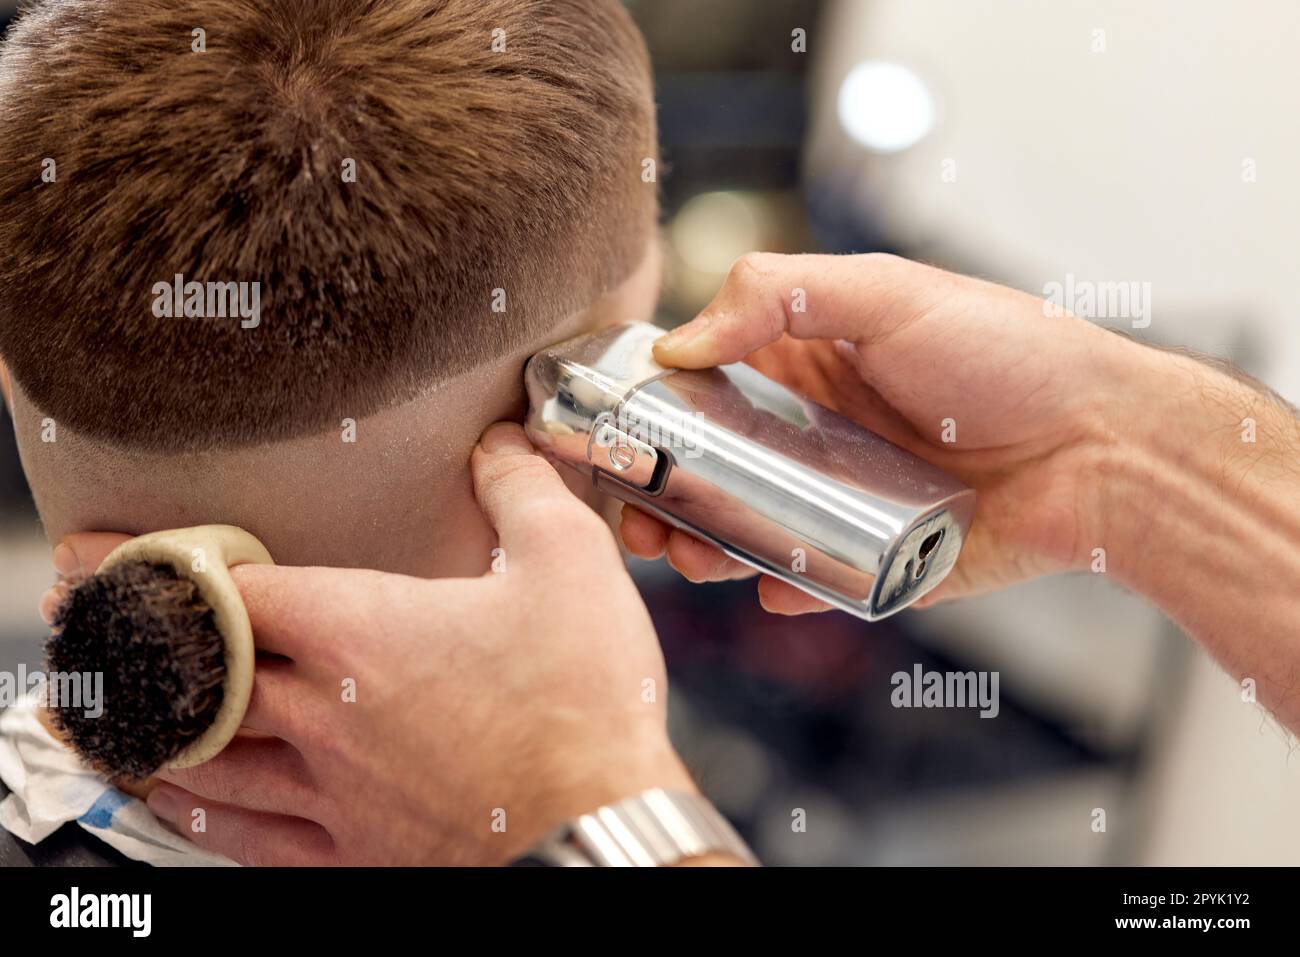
<point>15,498</point>
<point>732,91</point>
<point>814,694</point>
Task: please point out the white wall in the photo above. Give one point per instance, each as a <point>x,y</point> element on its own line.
<point>1117,165</point>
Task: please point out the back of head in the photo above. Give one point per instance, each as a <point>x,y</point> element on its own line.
<point>403,189</point>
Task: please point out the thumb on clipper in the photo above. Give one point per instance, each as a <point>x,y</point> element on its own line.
<point>687,347</point>
<point>745,315</point>
<point>810,296</point>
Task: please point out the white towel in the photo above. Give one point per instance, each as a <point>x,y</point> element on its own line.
<point>51,787</point>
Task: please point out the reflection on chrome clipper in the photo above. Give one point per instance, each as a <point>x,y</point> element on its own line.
<point>739,461</point>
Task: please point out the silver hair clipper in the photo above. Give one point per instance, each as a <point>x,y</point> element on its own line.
<point>737,460</point>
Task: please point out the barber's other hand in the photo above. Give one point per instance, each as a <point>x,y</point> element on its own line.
<point>486,710</point>
<point>970,376</point>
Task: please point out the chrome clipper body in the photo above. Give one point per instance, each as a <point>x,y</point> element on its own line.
<point>735,459</point>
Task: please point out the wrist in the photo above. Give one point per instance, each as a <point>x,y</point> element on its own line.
<point>1197,502</point>
<point>583,779</point>
<point>657,827</point>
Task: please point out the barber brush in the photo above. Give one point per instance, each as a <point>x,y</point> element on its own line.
<point>162,621</point>
<point>741,462</point>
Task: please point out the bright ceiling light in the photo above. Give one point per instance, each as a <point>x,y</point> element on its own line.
<point>885,106</point>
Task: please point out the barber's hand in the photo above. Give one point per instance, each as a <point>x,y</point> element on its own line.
<point>970,376</point>
<point>486,710</point>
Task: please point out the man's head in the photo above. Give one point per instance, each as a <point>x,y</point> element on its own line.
<point>415,193</point>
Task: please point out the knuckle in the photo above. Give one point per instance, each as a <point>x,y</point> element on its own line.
<point>753,282</point>
<point>751,267</point>
<point>885,260</point>
<point>892,268</point>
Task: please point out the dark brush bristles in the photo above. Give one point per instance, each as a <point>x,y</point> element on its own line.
<point>154,638</point>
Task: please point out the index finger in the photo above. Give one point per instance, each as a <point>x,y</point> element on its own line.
<point>313,615</point>
<point>293,611</point>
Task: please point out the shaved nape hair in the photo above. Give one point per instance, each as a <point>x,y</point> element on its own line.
<point>498,148</point>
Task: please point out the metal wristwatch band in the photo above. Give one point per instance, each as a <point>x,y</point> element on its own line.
<point>657,828</point>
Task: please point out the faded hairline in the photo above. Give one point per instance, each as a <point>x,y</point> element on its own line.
<point>479,171</point>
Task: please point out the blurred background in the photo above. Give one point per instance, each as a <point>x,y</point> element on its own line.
<point>1024,141</point>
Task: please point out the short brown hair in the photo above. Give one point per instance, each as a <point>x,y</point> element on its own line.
<point>498,145</point>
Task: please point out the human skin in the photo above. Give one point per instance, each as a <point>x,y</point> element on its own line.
<point>1088,450</point>
<point>1076,439</point>
<point>486,710</point>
